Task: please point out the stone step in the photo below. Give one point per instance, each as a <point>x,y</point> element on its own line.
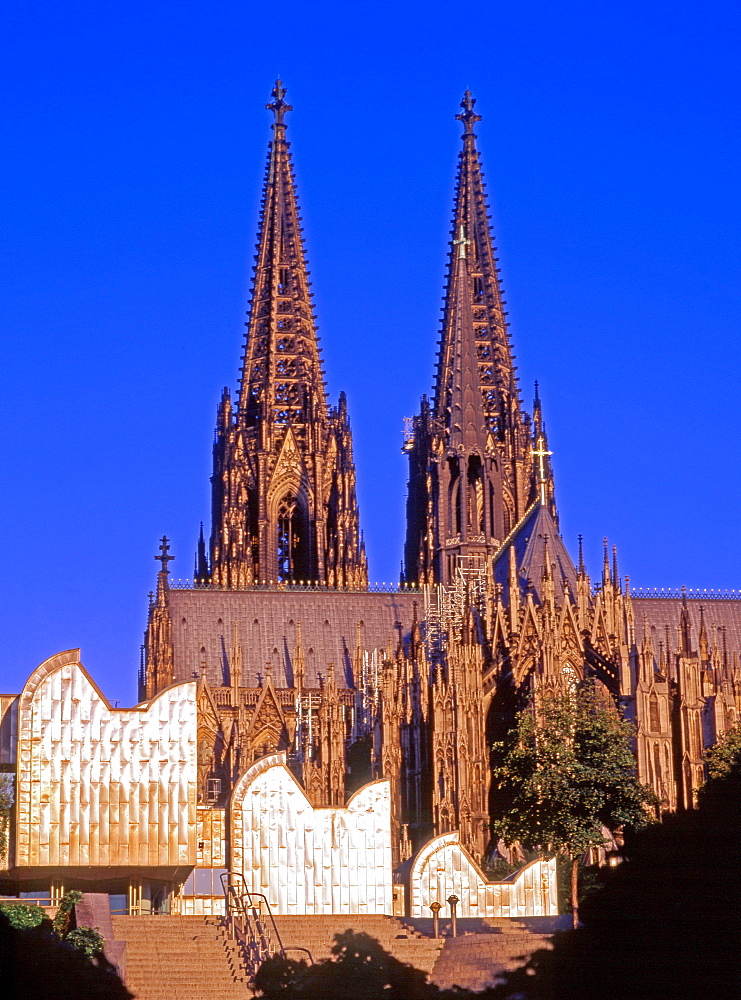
<point>188,958</point>
<point>475,961</point>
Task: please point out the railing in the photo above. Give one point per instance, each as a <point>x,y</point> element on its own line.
<point>688,592</point>
<point>310,586</point>
<point>251,923</point>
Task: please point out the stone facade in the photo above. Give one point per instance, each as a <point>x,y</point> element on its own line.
<point>412,685</point>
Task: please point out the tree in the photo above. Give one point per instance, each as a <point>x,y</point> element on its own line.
<point>667,922</point>
<point>565,772</point>
<point>35,964</point>
<point>725,753</point>
<point>361,970</point>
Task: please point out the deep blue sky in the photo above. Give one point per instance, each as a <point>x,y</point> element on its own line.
<point>133,147</point>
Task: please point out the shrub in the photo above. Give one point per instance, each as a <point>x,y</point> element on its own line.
<point>22,916</point>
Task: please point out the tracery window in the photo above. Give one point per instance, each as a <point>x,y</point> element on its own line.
<point>292,540</point>
<point>653,713</point>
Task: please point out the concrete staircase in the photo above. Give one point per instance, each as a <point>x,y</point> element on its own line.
<point>317,934</point>
<point>180,958</point>
<point>191,958</point>
<point>477,959</point>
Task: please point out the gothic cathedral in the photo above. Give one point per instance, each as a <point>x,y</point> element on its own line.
<point>291,648</point>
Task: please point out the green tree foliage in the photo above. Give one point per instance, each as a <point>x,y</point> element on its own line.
<point>23,917</point>
<point>65,911</point>
<point>361,970</point>
<point>725,753</point>
<point>563,774</point>
<point>87,940</point>
<point>667,923</point>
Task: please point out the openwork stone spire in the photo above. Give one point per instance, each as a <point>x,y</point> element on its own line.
<point>284,501</point>
<point>472,468</point>
<point>496,372</point>
<point>282,382</point>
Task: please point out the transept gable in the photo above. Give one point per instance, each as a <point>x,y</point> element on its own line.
<point>209,720</point>
<point>568,630</point>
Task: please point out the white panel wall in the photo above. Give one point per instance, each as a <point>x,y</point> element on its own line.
<point>102,786</point>
<point>307,860</point>
<point>444,868</point>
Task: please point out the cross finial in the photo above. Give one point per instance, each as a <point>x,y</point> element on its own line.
<point>541,453</point>
<point>469,116</point>
<point>278,106</point>
<point>461,242</point>
<point>163,555</point>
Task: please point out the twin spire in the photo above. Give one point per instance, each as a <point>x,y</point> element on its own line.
<point>477,461</point>
<point>284,499</point>
<point>282,381</point>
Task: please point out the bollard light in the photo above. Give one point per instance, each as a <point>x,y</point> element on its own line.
<point>436,907</point>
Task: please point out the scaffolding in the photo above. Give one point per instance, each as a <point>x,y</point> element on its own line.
<point>445,607</point>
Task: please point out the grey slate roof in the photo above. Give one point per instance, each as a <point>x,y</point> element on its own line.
<point>663,611</point>
<point>202,628</point>
<point>529,540</point>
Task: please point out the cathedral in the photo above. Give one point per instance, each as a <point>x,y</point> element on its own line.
<point>293,653</point>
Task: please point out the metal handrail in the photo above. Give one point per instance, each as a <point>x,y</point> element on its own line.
<point>259,938</point>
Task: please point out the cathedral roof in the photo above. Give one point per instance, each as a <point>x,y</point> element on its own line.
<point>532,538</point>
<point>661,613</point>
<point>203,627</point>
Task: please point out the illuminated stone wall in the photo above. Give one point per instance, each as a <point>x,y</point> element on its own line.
<point>99,786</point>
<point>307,860</point>
<point>444,868</point>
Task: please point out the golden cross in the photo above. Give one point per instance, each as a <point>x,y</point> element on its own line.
<point>278,106</point>
<point>164,556</point>
<point>541,454</point>
<point>461,242</point>
<point>469,116</point>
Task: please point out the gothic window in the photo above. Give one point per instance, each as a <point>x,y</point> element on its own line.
<point>292,540</point>
<point>483,352</point>
<point>284,282</point>
<point>657,766</point>
<point>286,367</point>
<point>454,498</point>
<point>475,495</point>
<point>654,719</point>
<point>697,738</point>
<point>570,678</point>
<point>286,392</point>
<point>478,290</point>
<point>285,343</point>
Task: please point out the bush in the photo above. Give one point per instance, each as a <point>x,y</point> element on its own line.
<point>36,965</point>
<point>63,917</point>
<point>88,940</point>
<point>23,917</point>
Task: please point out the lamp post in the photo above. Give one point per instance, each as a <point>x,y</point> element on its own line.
<point>436,907</point>
<point>453,903</point>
